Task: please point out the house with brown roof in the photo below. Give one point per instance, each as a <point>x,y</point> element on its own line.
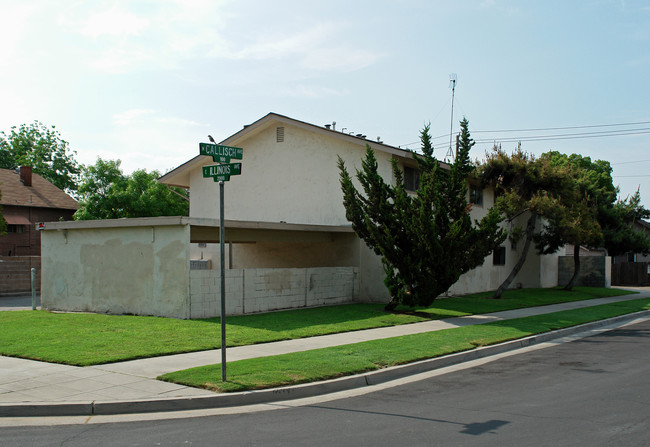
<point>27,198</point>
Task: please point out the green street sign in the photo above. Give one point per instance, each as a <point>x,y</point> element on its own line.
<point>222,173</point>
<point>221,154</point>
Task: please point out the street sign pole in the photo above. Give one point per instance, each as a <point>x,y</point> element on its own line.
<point>222,237</point>
<point>221,173</point>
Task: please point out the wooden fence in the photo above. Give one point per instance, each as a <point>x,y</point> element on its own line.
<point>631,274</point>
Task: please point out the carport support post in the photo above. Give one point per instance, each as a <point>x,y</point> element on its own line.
<point>222,237</point>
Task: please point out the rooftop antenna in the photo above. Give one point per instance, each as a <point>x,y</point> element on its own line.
<point>452,85</point>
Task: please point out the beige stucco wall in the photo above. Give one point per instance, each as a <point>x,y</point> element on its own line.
<point>295,181</point>
<point>139,270</point>
<point>340,250</point>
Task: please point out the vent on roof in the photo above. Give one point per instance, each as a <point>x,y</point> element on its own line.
<point>279,134</point>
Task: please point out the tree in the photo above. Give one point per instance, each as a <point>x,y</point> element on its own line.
<point>426,241</point>
<point>575,221</point>
<point>524,184</point>
<point>590,215</point>
<point>42,148</point>
<point>617,223</point>
<point>106,193</point>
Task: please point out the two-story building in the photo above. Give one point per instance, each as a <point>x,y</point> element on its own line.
<point>288,241</point>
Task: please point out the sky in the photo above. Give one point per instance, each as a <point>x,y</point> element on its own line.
<point>146,81</point>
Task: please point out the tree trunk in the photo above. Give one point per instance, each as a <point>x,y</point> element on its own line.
<point>530,230</point>
<point>391,305</point>
<point>576,267</point>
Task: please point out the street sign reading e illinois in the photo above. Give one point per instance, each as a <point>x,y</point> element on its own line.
<point>222,173</point>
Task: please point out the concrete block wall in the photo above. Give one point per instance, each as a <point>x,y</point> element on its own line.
<point>262,290</point>
<point>16,274</point>
<point>595,271</point>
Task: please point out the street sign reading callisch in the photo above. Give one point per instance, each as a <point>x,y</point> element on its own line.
<point>222,173</point>
<point>221,154</point>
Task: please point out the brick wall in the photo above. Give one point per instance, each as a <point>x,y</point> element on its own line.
<point>28,243</point>
<point>262,290</point>
<point>15,274</point>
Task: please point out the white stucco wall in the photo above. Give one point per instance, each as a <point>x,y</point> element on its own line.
<point>297,181</point>
<point>138,270</point>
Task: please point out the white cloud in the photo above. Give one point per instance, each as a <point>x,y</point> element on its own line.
<point>129,116</point>
<point>338,59</point>
<point>123,36</point>
<point>13,29</point>
<point>308,92</point>
<point>155,141</point>
<point>113,22</point>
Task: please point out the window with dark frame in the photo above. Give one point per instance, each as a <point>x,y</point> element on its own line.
<point>499,256</point>
<point>476,195</point>
<point>18,229</point>
<point>411,178</point>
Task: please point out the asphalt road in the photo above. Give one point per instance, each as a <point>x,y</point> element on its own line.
<point>591,392</point>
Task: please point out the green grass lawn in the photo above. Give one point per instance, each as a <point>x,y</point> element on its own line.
<point>88,339</point>
<point>329,363</point>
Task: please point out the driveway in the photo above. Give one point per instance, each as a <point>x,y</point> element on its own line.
<point>18,302</point>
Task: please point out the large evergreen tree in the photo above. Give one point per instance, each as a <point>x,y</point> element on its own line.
<point>427,240</point>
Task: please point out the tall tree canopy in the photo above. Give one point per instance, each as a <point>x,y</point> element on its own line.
<point>523,184</point>
<point>41,147</point>
<point>427,240</point>
<point>590,214</point>
<point>106,193</point>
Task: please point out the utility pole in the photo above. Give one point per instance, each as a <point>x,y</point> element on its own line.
<point>452,85</point>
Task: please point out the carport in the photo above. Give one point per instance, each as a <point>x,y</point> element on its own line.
<point>164,266</point>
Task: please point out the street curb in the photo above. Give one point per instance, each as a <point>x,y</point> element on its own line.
<point>297,391</point>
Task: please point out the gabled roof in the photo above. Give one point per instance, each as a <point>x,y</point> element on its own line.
<point>42,193</point>
<point>180,175</point>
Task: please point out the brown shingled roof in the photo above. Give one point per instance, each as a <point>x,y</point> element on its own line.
<point>41,194</point>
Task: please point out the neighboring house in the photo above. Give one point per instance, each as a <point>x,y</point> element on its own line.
<point>288,241</point>
<point>27,198</point>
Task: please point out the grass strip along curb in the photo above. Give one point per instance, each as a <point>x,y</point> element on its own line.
<point>89,339</point>
<point>329,363</point>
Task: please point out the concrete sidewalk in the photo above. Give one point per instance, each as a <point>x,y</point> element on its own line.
<point>32,387</point>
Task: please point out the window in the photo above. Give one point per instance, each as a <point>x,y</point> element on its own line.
<point>411,178</point>
<point>19,229</point>
<point>475,195</point>
<point>279,134</point>
<point>499,256</point>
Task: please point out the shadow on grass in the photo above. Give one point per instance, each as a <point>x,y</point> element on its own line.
<point>289,320</point>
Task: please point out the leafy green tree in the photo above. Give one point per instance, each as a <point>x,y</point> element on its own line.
<point>106,193</point>
<point>590,215</point>
<point>41,147</point>
<point>617,223</point>
<point>426,241</point>
<point>523,185</point>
